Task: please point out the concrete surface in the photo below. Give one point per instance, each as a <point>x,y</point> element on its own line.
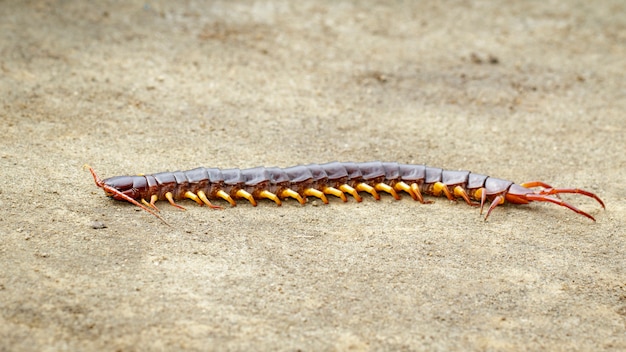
<point>521,90</point>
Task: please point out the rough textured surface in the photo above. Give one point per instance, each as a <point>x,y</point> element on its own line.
<point>518,90</point>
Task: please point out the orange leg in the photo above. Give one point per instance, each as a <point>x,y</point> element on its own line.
<point>316,193</point>
<point>364,187</point>
<point>439,187</point>
<point>494,203</point>
<point>243,194</point>
<point>460,192</point>
<point>270,195</point>
<point>170,198</point>
<point>153,199</point>
<point>535,184</point>
<point>193,197</point>
<point>206,201</point>
<point>480,193</point>
<point>541,184</point>
<point>383,187</point>
<point>225,196</point>
<point>402,186</point>
<point>335,192</point>
<point>351,191</point>
<point>293,194</point>
<point>416,190</point>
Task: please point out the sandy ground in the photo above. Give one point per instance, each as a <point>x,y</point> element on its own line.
<point>521,90</point>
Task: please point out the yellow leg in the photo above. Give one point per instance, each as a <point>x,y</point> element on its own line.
<point>243,194</point>
<point>401,186</point>
<point>270,195</point>
<point>335,192</point>
<point>460,192</point>
<point>153,199</point>
<point>383,187</point>
<point>226,197</point>
<point>193,197</point>
<point>206,201</point>
<point>416,190</point>
<point>351,191</point>
<point>364,187</point>
<point>170,198</point>
<point>482,195</point>
<point>316,193</point>
<point>439,187</point>
<point>293,194</point>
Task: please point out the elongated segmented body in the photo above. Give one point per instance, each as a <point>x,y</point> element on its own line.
<point>319,180</point>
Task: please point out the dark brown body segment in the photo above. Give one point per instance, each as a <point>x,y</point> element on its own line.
<point>453,178</point>
<point>298,178</point>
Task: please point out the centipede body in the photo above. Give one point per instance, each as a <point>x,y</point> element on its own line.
<point>204,185</point>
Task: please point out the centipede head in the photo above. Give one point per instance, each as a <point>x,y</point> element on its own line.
<point>120,188</point>
<point>118,185</point>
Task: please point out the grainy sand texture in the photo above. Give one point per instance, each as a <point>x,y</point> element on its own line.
<point>521,90</point>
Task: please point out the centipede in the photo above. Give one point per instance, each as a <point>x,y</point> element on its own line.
<point>321,181</point>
